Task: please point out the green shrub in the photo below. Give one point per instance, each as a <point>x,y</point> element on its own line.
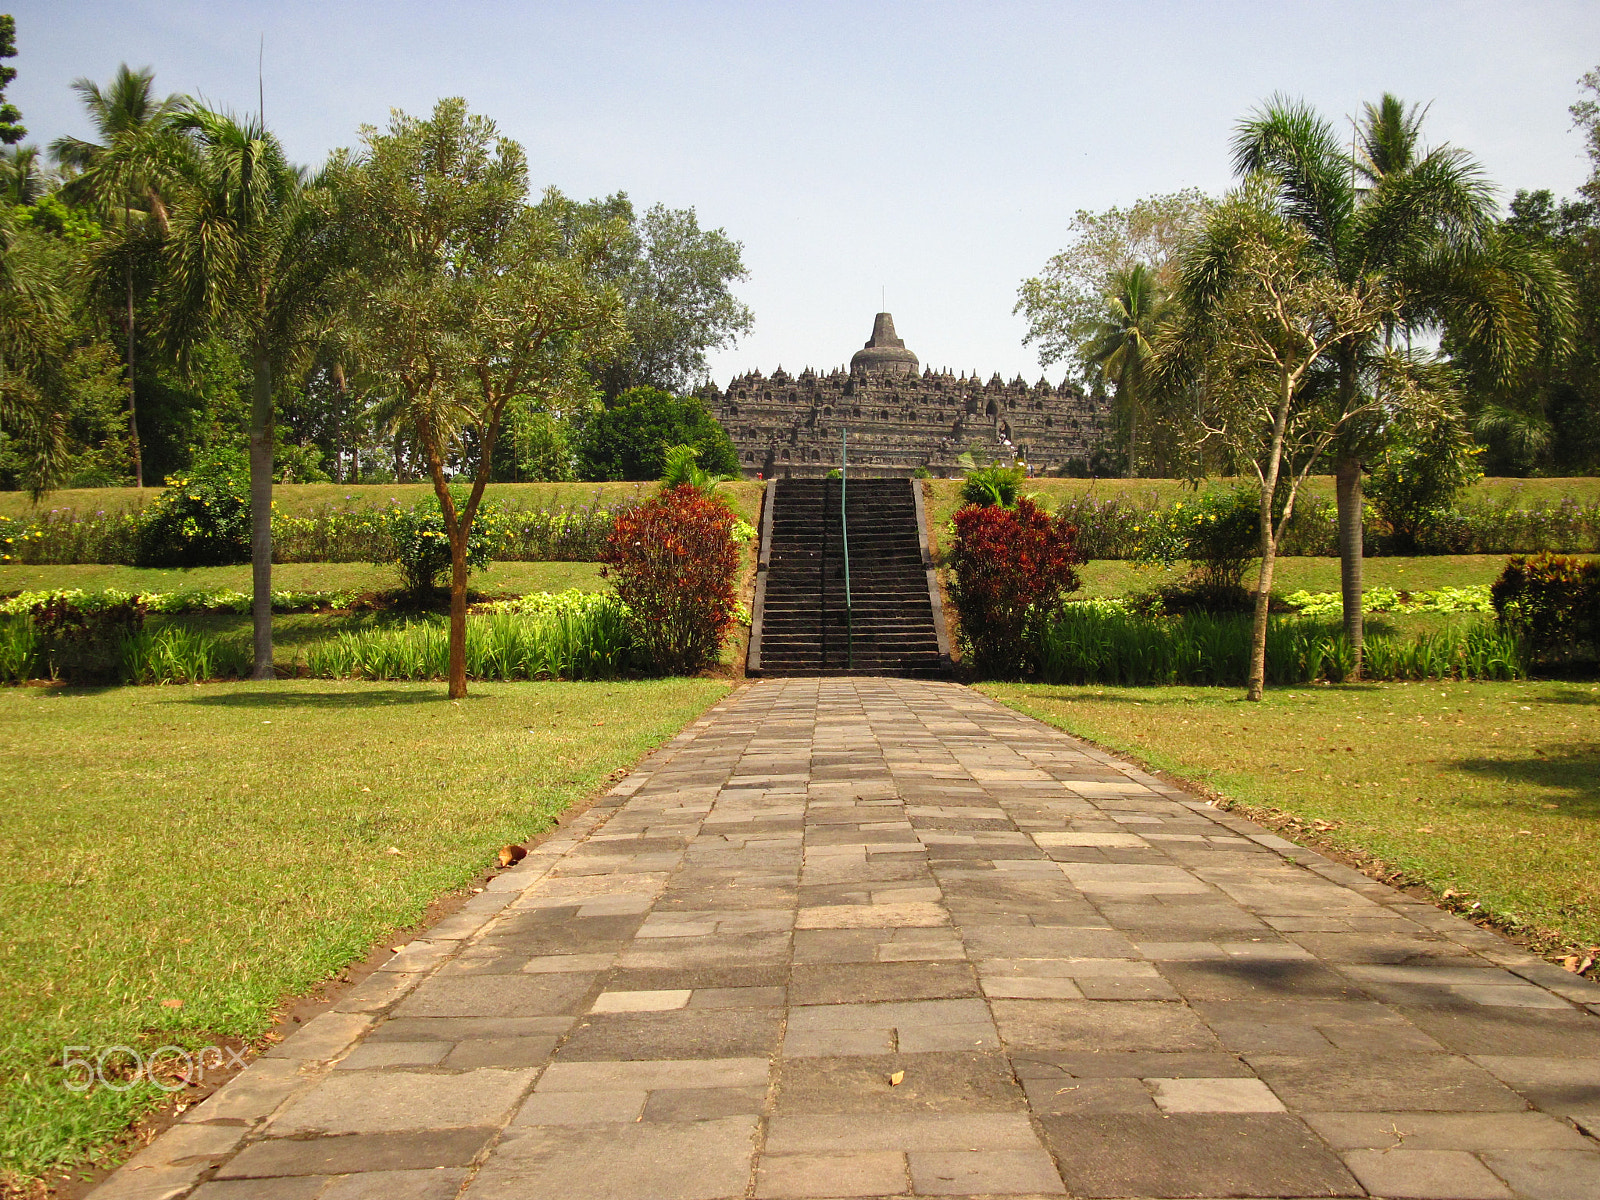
<point>1554,602</point>
<point>19,649</point>
<point>201,519</point>
<point>1415,485</point>
<point>419,546</point>
<point>80,640</point>
<point>993,484</point>
<point>1218,533</point>
<point>1108,643</point>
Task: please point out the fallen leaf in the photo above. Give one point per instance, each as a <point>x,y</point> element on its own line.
<point>172,1004</point>
<point>392,850</point>
<point>896,1078</point>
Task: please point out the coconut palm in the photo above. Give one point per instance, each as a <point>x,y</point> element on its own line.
<point>22,178</point>
<point>248,254</point>
<point>1421,225</point>
<point>125,178</point>
<point>1121,346</point>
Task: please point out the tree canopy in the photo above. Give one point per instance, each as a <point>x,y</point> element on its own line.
<point>630,439</point>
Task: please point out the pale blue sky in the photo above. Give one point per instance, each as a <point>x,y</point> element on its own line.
<point>935,150</point>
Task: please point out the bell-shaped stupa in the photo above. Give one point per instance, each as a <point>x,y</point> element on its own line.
<point>884,353</point>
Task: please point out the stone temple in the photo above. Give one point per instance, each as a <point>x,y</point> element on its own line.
<point>901,418</point>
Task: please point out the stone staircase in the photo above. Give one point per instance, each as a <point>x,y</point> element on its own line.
<point>799,623</point>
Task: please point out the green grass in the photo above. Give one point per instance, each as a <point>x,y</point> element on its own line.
<point>944,494</point>
<point>517,578</point>
<point>305,498</point>
<point>1116,577</point>
<point>1490,790</point>
<point>227,847</point>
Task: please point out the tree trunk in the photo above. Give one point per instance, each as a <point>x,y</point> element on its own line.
<point>1257,683</point>
<point>261,514</point>
<point>458,619</point>
<point>133,411</point>
<point>1133,439</point>
<point>1347,481</point>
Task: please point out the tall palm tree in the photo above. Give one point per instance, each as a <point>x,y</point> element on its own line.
<point>247,253</point>
<point>32,312</point>
<point>1122,344</point>
<point>125,176</point>
<point>1421,225</point>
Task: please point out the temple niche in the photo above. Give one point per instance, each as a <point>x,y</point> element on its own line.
<point>901,418</point>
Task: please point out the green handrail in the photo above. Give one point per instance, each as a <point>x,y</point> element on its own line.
<point>844,531</point>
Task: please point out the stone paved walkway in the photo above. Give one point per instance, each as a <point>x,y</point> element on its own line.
<point>1084,981</point>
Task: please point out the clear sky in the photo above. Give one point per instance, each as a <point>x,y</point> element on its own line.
<point>935,151</point>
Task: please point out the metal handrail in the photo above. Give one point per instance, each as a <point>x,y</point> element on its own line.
<point>844,532</point>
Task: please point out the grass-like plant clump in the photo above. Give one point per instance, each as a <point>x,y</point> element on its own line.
<point>180,881</point>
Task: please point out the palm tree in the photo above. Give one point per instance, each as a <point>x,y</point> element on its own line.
<point>1121,346</point>
<point>31,317</point>
<point>1420,225</point>
<point>21,179</point>
<point>246,253</point>
<point>126,174</point>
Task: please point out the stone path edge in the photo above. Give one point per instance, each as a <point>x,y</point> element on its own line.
<point>1516,956</point>
<point>183,1154</point>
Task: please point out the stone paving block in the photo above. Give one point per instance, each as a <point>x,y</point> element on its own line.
<point>253,1094</point>
<point>581,1108</point>
<point>1347,1081</point>
<point>507,1053</point>
<point>808,1176</point>
<point>984,1172</point>
<point>701,1160</point>
<point>498,996</point>
<point>418,1149</point>
<point>261,1189</point>
<point>1194,1154</point>
<point>375,1101</point>
<point>1408,1174</point>
<point>652,1075</point>
<point>440,1183</point>
<point>1555,1084</point>
<point>932,1082</point>
<point>704,1104</point>
<point>1213,1095</point>
<point>1030,1025</point>
<point>641,1001</point>
<point>371,1055</point>
<point>686,1033</point>
<point>843,983</point>
<point>1476,1132</point>
<point>831,1134</point>
<point>1061,1096</point>
<point>323,1037</point>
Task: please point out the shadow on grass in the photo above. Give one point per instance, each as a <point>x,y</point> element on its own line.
<point>364,698</point>
<point>1569,696</point>
<point>1573,768</point>
<point>1157,694</point>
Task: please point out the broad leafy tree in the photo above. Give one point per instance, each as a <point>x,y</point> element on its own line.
<point>1417,225</point>
<point>249,253</point>
<point>470,301</point>
<point>630,439</point>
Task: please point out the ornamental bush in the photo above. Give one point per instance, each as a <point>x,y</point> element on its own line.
<point>673,560</point>
<point>416,543</point>
<point>201,519</point>
<point>993,484</point>
<point>1218,533</point>
<point>81,641</point>
<point>1552,601</point>
<point>1011,567</point>
<point>1415,485</point>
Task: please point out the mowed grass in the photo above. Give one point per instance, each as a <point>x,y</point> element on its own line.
<point>302,499</point>
<point>1116,577</point>
<point>518,578</point>
<point>228,846</point>
<point>944,495</point>
<point>1490,790</point>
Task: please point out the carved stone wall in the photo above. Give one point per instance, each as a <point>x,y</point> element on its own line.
<point>899,420</point>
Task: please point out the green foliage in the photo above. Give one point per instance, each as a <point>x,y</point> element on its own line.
<point>993,484</point>
<point>629,440</point>
<point>419,546</point>
<point>1554,602</point>
<point>222,600</point>
<point>178,655</point>
<point>201,518</point>
<point>1218,533</point>
<point>585,638</point>
<point>681,469</point>
<point>19,649</point>
<point>1471,599</point>
<point>1107,643</point>
<point>49,215</point>
<point>1415,485</point>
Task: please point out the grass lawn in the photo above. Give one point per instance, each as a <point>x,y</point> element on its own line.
<point>227,846</point>
<point>515,577</point>
<point>1116,577</point>
<point>944,494</point>
<point>305,498</point>
<point>1488,789</point>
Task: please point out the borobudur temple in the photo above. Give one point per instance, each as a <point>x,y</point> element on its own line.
<point>901,419</point>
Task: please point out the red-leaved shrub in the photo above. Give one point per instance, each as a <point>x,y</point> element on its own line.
<point>1553,601</point>
<point>673,561</point>
<point>1012,566</point>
